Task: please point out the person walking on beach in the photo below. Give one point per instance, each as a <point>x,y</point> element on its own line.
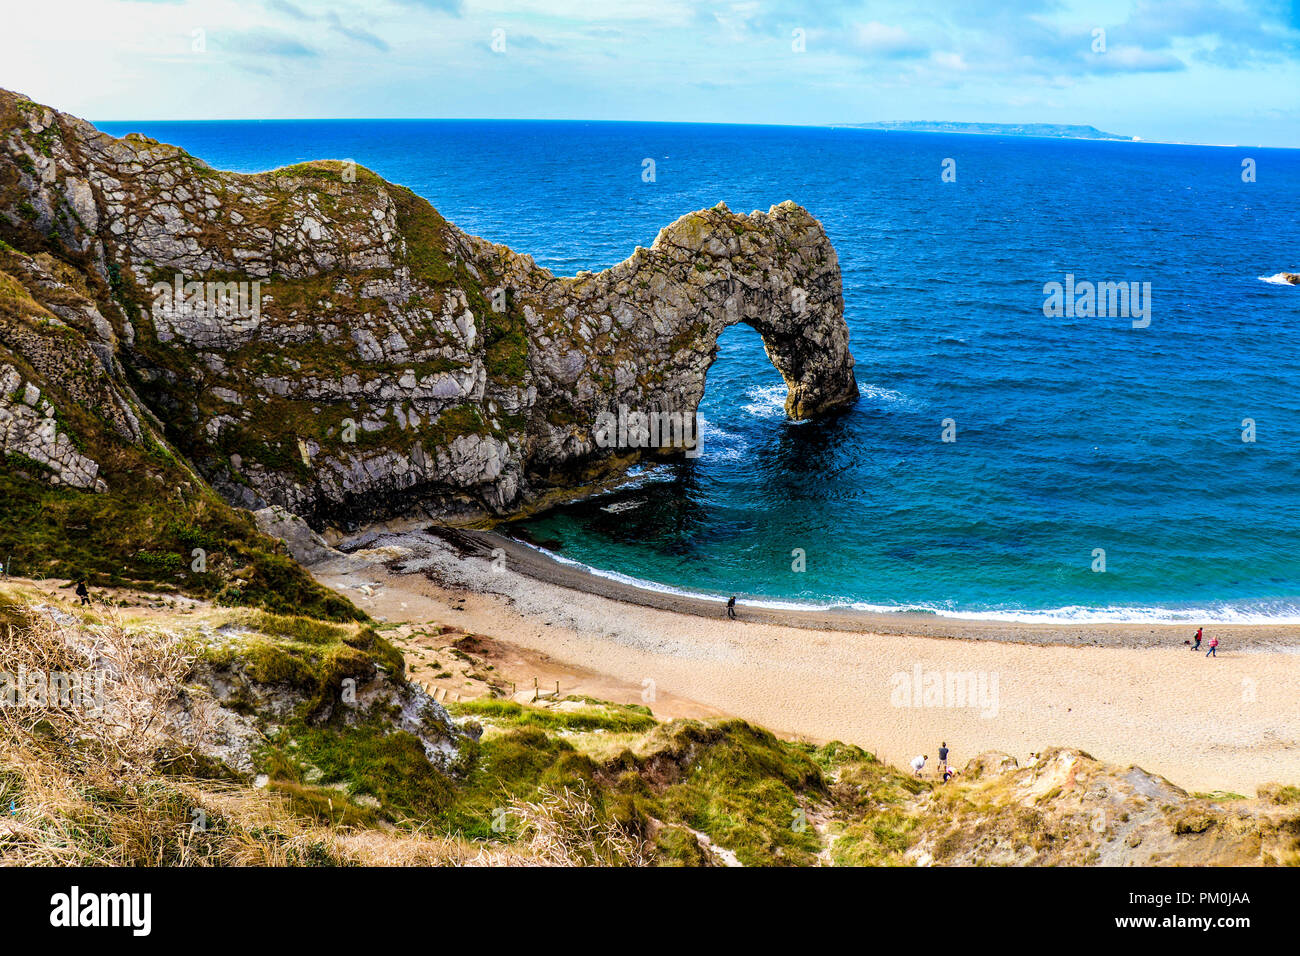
<point>1197,645</point>
<point>1212,652</point>
<point>943,757</point>
<point>82,592</point>
<point>731,608</point>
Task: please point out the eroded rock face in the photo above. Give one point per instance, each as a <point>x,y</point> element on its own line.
<point>28,427</point>
<point>319,339</point>
<point>305,545</point>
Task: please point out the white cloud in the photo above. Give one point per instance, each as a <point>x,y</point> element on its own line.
<point>949,61</point>
<point>885,40</point>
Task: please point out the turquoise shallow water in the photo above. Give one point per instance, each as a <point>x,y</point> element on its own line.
<point>1074,434</point>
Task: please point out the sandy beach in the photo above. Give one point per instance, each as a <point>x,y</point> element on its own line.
<point>896,685</point>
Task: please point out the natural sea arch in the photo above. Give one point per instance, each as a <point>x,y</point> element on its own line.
<point>664,308</point>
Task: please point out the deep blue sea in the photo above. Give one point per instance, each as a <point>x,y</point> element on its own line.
<point>1073,434</point>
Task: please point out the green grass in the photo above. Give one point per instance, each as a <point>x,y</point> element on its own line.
<point>310,657</point>
<point>387,766</point>
<point>307,630</point>
<point>137,534</point>
<point>612,717</point>
<point>454,422</point>
<point>505,336</point>
<point>748,791</point>
<point>327,171</point>
<point>1221,795</point>
<point>878,841</point>
<point>425,232</point>
<point>743,787</point>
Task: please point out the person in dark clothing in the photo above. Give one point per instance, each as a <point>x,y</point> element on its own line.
<point>82,592</point>
<point>943,756</point>
<point>1197,645</point>
<point>731,608</point>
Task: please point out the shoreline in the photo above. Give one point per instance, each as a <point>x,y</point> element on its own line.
<point>1130,696</point>
<point>539,565</point>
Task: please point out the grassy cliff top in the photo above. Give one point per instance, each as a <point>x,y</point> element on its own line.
<point>555,781</point>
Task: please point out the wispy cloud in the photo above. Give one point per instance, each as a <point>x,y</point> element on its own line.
<point>453,7</point>
<point>265,43</point>
<point>356,33</point>
<point>331,19</point>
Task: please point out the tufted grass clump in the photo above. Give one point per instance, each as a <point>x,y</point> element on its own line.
<point>744,788</point>
<point>1279,794</point>
<point>614,718</point>
<point>299,627</point>
<point>356,775</point>
<point>307,657</point>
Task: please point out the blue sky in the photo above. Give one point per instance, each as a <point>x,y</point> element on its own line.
<point>1207,71</point>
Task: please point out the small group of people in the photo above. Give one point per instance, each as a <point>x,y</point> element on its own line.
<point>1213,644</point>
<point>946,770</point>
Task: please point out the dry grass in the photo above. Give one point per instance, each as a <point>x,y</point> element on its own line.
<point>115,721</point>
<point>79,773</point>
<point>81,784</point>
<point>565,828</point>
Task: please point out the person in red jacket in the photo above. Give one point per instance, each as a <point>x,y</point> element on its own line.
<point>1197,645</point>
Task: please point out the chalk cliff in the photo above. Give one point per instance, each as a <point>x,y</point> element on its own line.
<point>317,338</point>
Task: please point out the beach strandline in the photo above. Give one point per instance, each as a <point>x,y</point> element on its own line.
<point>897,685</point>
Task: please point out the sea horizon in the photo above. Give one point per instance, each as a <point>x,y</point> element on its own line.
<point>848,125</point>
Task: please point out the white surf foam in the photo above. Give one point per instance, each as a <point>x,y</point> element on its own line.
<point>886,396</point>
<point>1256,614</point>
<point>1222,614</point>
<point>766,401</point>
<point>718,444</point>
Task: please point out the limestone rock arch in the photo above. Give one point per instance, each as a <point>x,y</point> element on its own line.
<point>644,333</point>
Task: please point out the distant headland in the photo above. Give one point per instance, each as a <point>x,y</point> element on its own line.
<point>1053,130</point>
